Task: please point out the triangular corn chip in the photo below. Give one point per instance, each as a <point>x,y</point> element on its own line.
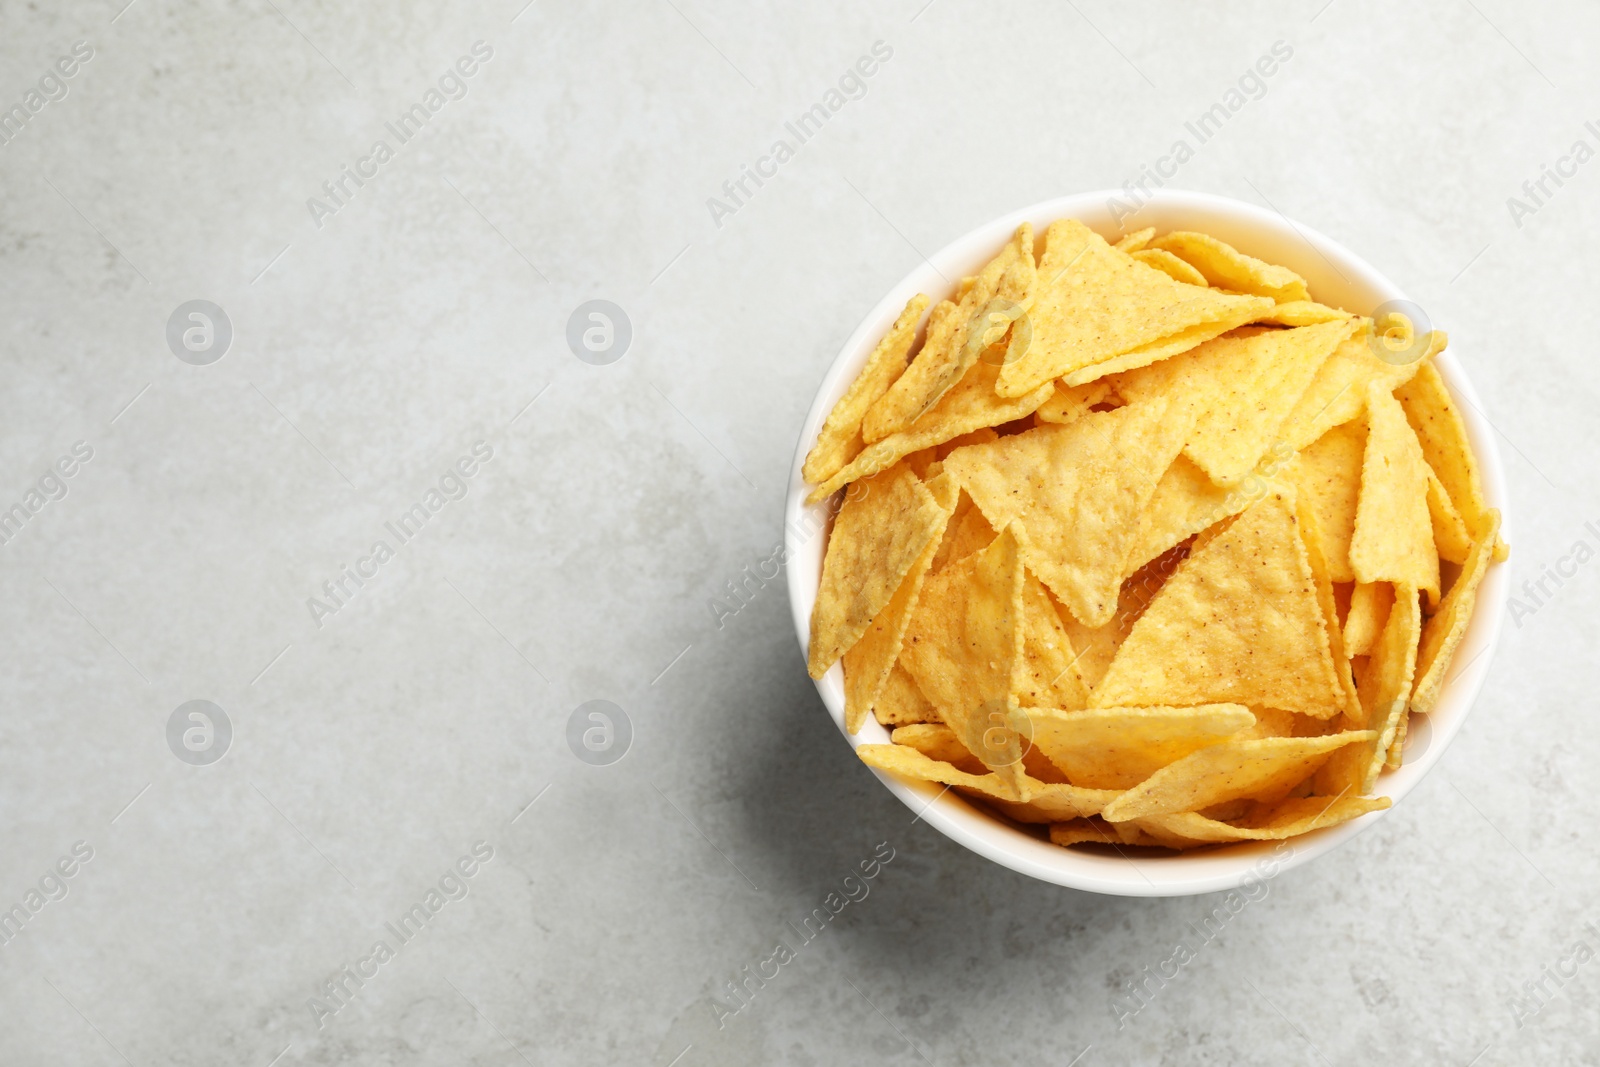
<point>1135,240</point>
<point>1302,313</point>
<point>1047,802</point>
<point>1384,684</point>
<point>1075,493</point>
<point>868,663</point>
<point>938,742</point>
<point>962,334</point>
<point>1287,818</point>
<point>1443,634</point>
<point>1328,477</point>
<point>1240,622</point>
<point>840,439</point>
<point>1097,310</point>
<point>1243,386</point>
<point>1433,415</point>
<point>1050,676</point>
<point>1171,266</point>
<point>963,649</point>
<point>967,533</point>
<point>878,536</point>
<point>900,702</point>
<point>1069,403</point>
<point>1117,748</point>
<point>1311,536</point>
<point>1264,769</point>
<point>1185,502</point>
<point>1369,610</point>
<point>971,405</point>
<point>1091,831</point>
<point>1338,393</point>
<point>1392,540</point>
<point>1450,534</point>
<point>1227,268</point>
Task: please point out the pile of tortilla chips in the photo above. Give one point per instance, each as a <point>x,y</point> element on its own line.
<point>1141,544</point>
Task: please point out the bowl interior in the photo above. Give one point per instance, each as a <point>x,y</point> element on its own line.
<point>1336,277</point>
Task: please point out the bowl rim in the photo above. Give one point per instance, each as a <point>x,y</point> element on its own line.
<point>1324,263</point>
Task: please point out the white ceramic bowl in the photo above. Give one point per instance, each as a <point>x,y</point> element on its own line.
<point>1337,277</point>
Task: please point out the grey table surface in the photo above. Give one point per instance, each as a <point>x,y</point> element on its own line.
<point>374,736</point>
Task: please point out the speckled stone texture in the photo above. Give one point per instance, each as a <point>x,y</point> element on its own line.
<point>382,334</point>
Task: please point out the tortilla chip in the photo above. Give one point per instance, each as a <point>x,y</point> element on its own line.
<point>1338,393</point>
<point>967,533</point>
<point>938,742</point>
<point>878,536</point>
<point>1098,310</point>
<point>1433,415</point>
<point>1093,830</point>
<point>1071,402</point>
<point>840,439</point>
<point>1264,769</point>
<point>1443,634</point>
<point>981,436</point>
<point>1302,313</point>
<point>1227,268</point>
<point>1384,684</point>
<point>1170,265</point>
<point>1243,386</point>
<point>1287,818</point>
<point>900,702</point>
<point>1074,494</point>
<point>1393,536</point>
<point>1049,675</point>
<point>1311,536</point>
<point>963,649</point>
<point>1187,501</point>
<point>1117,748</point>
<point>1048,802</point>
<point>971,405</point>
<point>868,663</point>
<point>1450,535</point>
<point>961,334</point>
<point>1369,610</point>
<point>1135,240</point>
<point>1240,622</point>
<point>1328,476</point>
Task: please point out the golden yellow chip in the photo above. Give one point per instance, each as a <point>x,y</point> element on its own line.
<point>878,536</point>
<point>967,533</point>
<point>1433,415</point>
<point>868,663</point>
<point>1287,818</point>
<point>938,742</point>
<point>1384,684</point>
<point>1227,268</point>
<point>1264,769</point>
<point>1302,313</point>
<point>1369,610</point>
<point>963,649</point>
<point>1072,402</point>
<point>1135,240</point>
<point>962,334</point>
<point>840,440</point>
<point>1185,502</point>
<point>1393,536</point>
<point>1117,748</point>
<point>1074,494</point>
<point>1242,385</point>
<point>1240,622</point>
<point>1311,537</point>
<point>1338,393</point>
<point>971,405</point>
<point>1443,634</point>
<point>1049,675</point>
<point>1093,831</point>
<point>1328,477</point>
<point>1047,802</point>
<point>900,702</point>
<point>1170,265</point>
<point>1098,311</point>
<point>1450,534</point>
